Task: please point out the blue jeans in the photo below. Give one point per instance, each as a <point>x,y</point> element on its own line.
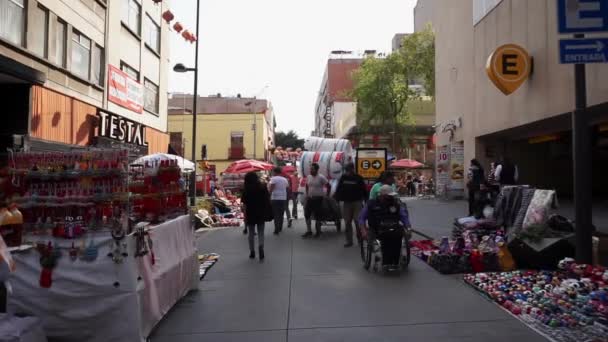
<point>251,230</point>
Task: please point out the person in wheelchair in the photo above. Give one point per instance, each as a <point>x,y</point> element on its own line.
<point>387,220</point>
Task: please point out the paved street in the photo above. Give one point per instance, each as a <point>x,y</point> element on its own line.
<point>311,290</point>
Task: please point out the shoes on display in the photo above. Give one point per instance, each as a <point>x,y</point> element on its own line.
<point>252,255</point>
<point>261,253</point>
<point>307,235</point>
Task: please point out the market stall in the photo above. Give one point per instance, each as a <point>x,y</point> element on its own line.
<point>518,230</point>
<point>102,251</point>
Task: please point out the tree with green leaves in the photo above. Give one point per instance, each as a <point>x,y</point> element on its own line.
<point>289,139</point>
<point>382,85</point>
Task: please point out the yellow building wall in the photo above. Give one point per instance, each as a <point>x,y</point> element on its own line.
<point>215,130</point>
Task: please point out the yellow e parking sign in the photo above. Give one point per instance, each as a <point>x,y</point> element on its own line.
<point>371,162</point>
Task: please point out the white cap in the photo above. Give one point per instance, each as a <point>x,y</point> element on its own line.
<point>387,190</point>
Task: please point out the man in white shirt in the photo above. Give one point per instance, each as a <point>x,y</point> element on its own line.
<point>316,190</point>
<point>278,198</point>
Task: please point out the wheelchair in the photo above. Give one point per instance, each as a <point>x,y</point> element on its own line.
<point>371,251</point>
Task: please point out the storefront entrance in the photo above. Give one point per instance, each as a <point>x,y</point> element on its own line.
<point>16,81</point>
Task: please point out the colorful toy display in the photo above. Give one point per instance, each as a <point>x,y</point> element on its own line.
<point>466,253</point>
<point>570,304</point>
<point>157,191</point>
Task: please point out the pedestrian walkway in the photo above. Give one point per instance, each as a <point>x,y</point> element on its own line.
<point>316,290</point>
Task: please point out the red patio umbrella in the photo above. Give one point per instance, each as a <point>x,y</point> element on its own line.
<point>407,164</point>
<point>247,165</point>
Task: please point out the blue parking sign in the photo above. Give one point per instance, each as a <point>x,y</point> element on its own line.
<point>582,16</point>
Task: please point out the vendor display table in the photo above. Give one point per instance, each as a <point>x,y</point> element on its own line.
<point>103,300</point>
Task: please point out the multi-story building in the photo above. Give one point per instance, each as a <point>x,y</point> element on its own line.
<point>532,126</point>
<point>76,73</point>
<point>336,111</point>
<point>228,128</point>
<point>397,42</point>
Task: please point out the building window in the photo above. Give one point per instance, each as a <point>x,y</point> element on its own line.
<point>81,55</point>
<point>237,148</point>
<point>176,141</point>
<point>481,8</point>
<point>152,35</point>
<point>40,38</point>
<point>131,15</point>
<point>97,71</point>
<point>62,31</point>
<point>129,71</point>
<point>150,96</point>
<point>12,20</point>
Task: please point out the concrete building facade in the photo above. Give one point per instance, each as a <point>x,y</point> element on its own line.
<point>535,120</point>
<point>60,66</point>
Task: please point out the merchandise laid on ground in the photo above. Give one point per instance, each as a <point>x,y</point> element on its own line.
<point>87,225</point>
<point>206,262</point>
<point>569,304</point>
<point>518,231</point>
<point>219,211</point>
<point>565,303</point>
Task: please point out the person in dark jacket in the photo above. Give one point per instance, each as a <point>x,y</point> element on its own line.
<point>256,204</point>
<point>351,192</point>
<point>507,173</point>
<point>476,178</point>
<point>382,215</point>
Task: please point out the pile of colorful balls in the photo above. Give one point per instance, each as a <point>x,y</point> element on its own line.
<point>558,303</point>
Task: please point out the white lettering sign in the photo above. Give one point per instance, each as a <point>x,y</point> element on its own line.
<point>118,128</point>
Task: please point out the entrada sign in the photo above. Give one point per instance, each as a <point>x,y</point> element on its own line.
<point>509,67</point>
<point>118,128</point>
<point>371,162</point>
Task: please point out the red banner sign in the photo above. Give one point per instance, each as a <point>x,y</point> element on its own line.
<point>124,91</point>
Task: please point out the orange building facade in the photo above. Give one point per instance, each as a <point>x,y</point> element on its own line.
<point>57,118</point>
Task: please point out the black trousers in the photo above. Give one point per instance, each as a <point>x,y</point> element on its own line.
<point>391,241</point>
<point>278,209</point>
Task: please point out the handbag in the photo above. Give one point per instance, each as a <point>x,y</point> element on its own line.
<point>268,214</point>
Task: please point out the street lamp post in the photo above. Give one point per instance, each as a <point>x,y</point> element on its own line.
<point>181,68</point>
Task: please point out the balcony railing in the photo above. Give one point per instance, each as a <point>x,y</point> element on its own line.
<point>237,152</point>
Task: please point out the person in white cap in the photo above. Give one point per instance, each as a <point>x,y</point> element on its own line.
<point>382,214</point>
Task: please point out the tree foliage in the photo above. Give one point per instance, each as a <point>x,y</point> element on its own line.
<point>382,85</point>
<point>289,139</point>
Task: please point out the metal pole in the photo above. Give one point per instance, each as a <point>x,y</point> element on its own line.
<point>194,101</point>
<point>255,127</point>
<point>581,157</point>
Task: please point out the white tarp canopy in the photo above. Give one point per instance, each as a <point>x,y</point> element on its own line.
<point>155,159</point>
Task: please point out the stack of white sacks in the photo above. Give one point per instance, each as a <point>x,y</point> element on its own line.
<point>331,155</point>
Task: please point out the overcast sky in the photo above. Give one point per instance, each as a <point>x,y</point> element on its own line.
<point>246,45</point>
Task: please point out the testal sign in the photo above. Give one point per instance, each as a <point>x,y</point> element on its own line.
<point>118,128</point>
<point>509,67</point>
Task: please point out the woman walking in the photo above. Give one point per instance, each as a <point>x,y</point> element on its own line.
<point>476,178</point>
<point>256,204</point>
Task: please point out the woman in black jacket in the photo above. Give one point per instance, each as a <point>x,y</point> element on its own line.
<point>256,204</point>
<point>476,178</point>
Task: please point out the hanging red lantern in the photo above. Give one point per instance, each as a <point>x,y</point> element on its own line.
<point>178,27</point>
<point>186,34</point>
<point>157,1</point>
<point>192,38</point>
<point>168,16</point>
